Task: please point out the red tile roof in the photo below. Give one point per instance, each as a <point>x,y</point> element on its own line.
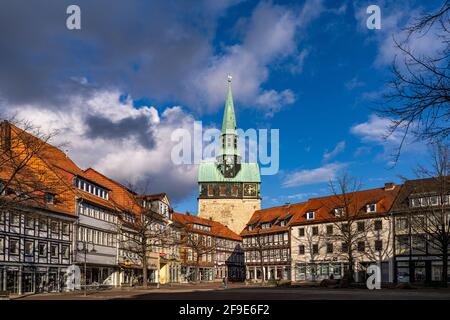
<point>217,229</point>
<point>323,208</point>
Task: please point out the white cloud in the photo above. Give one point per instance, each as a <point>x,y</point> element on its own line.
<point>313,176</point>
<point>354,83</point>
<point>124,158</point>
<point>269,37</point>
<point>339,148</point>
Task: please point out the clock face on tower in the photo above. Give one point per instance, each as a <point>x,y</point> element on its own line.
<point>250,190</point>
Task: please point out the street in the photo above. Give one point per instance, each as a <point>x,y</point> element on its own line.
<point>242,292</point>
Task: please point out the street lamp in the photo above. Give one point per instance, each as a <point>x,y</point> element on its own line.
<point>85,247</point>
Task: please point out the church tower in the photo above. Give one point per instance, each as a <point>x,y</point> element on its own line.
<point>229,190</point>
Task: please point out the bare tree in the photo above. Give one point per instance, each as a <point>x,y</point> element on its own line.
<point>202,245</point>
<point>27,170</point>
<point>314,242</point>
<point>429,214</point>
<point>418,102</point>
<point>347,208</point>
<point>141,229</point>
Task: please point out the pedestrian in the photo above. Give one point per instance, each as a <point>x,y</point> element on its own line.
<point>225,282</point>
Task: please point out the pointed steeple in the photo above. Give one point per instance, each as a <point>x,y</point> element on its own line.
<point>229,118</point>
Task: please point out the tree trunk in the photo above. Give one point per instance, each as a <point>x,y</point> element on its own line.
<point>445,269</point>
<point>144,264</point>
<point>144,272</point>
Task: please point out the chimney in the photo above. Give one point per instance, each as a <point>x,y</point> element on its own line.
<point>5,135</point>
<point>389,186</point>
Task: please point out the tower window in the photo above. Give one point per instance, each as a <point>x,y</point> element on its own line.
<point>210,190</point>
<point>234,190</point>
<point>223,190</point>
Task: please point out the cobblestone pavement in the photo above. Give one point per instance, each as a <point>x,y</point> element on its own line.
<point>241,292</point>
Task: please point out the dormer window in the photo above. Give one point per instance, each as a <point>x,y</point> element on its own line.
<point>371,208</point>
<point>49,198</point>
<point>266,225</point>
<point>338,212</point>
<point>251,227</point>
<point>310,215</point>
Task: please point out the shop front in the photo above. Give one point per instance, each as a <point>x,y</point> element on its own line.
<point>418,269</point>
<point>31,279</point>
<point>320,271</point>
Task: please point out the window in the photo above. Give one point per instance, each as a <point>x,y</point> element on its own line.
<point>222,190</point>
<point>361,246</point>
<point>66,229</point>
<point>378,225</point>
<point>42,225</point>
<point>42,249</point>
<point>65,252</point>
<point>210,190</point>
<point>29,222</point>
<point>54,226</point>
<point>266,225</point>
<point>49,198</point>
<point>402,223</point>
<point>338,212</point>
<point>310,215</point>
<point>29,248</point>
<point>371,207</point>
<point>91,188</point>
<point>250,227</point>
<point>13,246</point>
<point>329,230</point>
<point>329,248</point>
<point>378,245</point>
<point>434,201</point>
<point>361,226</point>
<point>2,217</point>
<point>15,219</point>
<point>234,190</point>
<point>344,247</point>
<point>301,232</point>
<point>2,245</point>
<point>315,249</point>
<point>301,249</point>
<point>54,250</point>
<point>315,231</point>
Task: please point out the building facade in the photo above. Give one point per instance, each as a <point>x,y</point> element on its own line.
<point>267,244</point>
<point>229,189</point>
<point>421,220</point>
<point>323,236</point>
<point>210,251</point>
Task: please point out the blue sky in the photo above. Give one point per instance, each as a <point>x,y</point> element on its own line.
<point>117,88</point>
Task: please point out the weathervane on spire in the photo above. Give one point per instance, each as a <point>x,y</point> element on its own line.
<point>229,77</point>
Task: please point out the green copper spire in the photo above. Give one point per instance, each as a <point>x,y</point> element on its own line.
<point>229,119</point>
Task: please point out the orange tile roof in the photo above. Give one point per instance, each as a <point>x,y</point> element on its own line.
<point>274,215</point>
<point>120,197</point>
<point>323,207</point>
<point>217,229</point>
